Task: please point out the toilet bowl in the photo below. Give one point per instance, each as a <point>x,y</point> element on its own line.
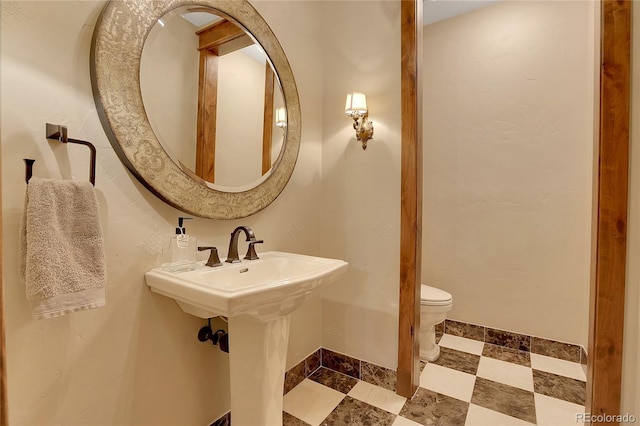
<point>434,305</point>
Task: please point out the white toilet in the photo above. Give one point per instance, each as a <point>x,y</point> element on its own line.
<point>434,305</point>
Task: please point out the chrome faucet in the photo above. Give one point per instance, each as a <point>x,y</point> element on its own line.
<point>232,256</point>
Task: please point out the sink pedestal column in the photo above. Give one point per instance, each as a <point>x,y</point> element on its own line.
<point>257,358</point>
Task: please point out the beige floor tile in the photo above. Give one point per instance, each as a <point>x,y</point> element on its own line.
<point>311,401</point>
<point>462,344</point>
<point>558,366</point>
<point>506,372</point>
<point>378,397</point>
<point>446,381</point>
<point>556,412</point>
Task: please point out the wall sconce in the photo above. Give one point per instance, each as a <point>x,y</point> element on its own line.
<point>356,108</point>
<point>281,117</point>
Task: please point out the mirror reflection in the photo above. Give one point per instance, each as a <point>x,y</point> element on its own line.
<point>212,98</point>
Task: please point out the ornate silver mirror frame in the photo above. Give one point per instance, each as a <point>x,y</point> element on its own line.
<point>116,49</point>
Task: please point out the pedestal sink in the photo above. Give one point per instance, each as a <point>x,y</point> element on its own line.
<point>257,297</point>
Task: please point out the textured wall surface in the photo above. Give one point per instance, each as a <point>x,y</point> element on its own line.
<point>361,189</point>
<point>169,69</point>
<point>508,142</point>
<point>240,119</point>
<point>137,360</point>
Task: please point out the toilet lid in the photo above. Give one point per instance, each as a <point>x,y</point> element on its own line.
<point>434,296</point>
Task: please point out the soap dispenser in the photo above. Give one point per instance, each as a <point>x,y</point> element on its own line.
<point>180,252</point>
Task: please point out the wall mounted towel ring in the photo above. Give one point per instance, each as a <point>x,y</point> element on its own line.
<point>56,132</point>
<point>29,169</point>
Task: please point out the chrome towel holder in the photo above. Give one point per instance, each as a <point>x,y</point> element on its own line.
<point>57,132</point>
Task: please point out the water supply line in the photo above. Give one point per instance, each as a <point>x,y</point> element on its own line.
<point>219,338</point>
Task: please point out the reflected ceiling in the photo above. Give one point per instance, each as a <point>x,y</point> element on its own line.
<point>438,10</point>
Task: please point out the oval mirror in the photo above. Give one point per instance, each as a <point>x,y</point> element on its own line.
<point>198,101</point>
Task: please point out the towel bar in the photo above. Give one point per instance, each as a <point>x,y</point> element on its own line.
<point>56,132</point>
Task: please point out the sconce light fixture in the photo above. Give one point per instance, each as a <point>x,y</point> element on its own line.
<point>281,117</point>
<point>356,108</point>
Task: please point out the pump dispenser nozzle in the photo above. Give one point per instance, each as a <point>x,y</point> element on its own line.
<point>181,229</point>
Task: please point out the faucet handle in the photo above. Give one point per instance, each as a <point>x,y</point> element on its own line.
<point>251,251</point>
<point>214,260</point>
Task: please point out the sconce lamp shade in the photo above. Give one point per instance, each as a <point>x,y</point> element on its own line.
<point>281,117</point>
<point>356,108</point>
<point>356,104</point>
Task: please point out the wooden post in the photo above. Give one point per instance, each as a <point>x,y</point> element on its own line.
<point>411,199</point>
<point>207,115</point>
<point>606,323</point>
<point>267,127</point>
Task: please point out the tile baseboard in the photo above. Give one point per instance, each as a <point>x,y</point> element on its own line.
<point>523,342</point>
<point>345,364</point>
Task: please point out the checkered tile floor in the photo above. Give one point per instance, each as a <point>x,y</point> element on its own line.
<point>471,384</point>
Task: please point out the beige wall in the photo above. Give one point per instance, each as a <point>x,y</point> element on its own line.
<point>137,360</point>
<point>630,359</point>
<point>361,189</point>
<point>240,119</point>
<point>508,107</point>
<point>169,71</point>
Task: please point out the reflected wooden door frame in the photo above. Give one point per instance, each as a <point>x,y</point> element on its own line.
<point>606,309</point>
<point>216,40</point>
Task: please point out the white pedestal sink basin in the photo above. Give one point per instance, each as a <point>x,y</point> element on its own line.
<point>257,297</point>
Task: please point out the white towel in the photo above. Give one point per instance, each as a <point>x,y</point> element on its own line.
<point>61,247</point>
